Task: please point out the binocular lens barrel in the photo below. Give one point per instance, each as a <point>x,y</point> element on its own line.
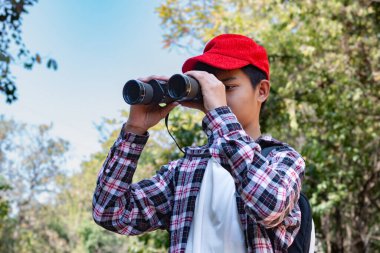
<point>177,87</point>
<point>137,92</point>
<point>183,87</point>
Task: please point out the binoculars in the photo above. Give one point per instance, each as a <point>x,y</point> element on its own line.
<point>179,87</point>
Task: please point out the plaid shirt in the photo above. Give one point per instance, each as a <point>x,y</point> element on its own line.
<point>268,188</point>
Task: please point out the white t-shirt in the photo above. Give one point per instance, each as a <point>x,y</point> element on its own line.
<point>216,224</point>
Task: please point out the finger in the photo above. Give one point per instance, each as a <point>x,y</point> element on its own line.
<point>165,110</point>
<point>164,78</point>
<point>196,72</point>
<point>201,76</point>
<point>188,104</point>
<point>193,105</point>
<point>143,79</point>
<point>157,77</point>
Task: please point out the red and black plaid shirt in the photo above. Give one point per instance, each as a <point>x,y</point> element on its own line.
<point>267,187</point>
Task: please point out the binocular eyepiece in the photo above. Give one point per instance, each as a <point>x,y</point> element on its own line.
<point>179,87</point>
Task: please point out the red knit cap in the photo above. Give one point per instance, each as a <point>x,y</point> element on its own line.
<point>231,51</point>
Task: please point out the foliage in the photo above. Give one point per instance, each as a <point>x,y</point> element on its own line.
<point>325,78</point>
<point>5,132</point>
<point>30,162</point>
<point>4,204</point>
<point>11,13</point>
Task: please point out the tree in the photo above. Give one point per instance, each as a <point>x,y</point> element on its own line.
<point>7,128</point>
<point>4,204</point>
<point>11,12</point>
<point>30,162</point>
<point>325,97</point>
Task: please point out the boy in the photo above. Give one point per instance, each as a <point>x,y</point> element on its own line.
<point>221,197</point>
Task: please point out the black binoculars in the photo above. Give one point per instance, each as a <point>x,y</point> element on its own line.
<point>179,87</point>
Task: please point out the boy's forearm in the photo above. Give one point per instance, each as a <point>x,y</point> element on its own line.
<point>115,177</point>
<point>120,205</point>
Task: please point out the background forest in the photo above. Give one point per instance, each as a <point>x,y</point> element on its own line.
<point>324,101</point>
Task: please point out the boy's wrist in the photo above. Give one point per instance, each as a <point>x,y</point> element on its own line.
<point>126,135</point>
<point>134,129</point>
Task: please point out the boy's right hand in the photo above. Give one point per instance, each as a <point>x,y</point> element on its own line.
<point>142,117</point>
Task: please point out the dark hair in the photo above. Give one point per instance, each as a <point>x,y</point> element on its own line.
<point>255,74</point>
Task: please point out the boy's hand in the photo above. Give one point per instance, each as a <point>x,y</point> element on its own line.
<point>213,91</point>
<point>142,117</point>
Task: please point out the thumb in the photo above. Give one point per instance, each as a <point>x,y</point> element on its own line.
<point>169,107</point>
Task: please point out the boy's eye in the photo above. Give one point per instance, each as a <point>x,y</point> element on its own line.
<point>229,87</point>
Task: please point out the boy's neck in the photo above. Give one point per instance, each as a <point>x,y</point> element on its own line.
<point>253,130</point>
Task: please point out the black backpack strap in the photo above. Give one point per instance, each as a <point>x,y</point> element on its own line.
<point>265,150</point>
<point>302,241</point>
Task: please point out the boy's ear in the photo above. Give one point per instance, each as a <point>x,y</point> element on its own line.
<point>264,88</point>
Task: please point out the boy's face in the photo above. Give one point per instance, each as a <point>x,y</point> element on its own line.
<point>244,101</point>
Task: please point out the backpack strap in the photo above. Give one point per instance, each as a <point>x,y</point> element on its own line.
<point>266,150</point>
<point>301,242</point>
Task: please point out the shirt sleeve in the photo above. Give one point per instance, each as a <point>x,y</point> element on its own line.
<point>131,208</point>
<point>268,190</point>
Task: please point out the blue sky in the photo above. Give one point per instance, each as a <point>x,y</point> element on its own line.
<point>98,45</point>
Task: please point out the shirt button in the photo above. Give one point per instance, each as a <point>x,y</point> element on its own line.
<point>133,145</point>
<point>107,171</point>
<point>209,132</point>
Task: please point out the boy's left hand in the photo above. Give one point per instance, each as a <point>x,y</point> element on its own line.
<point>213,91</point>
